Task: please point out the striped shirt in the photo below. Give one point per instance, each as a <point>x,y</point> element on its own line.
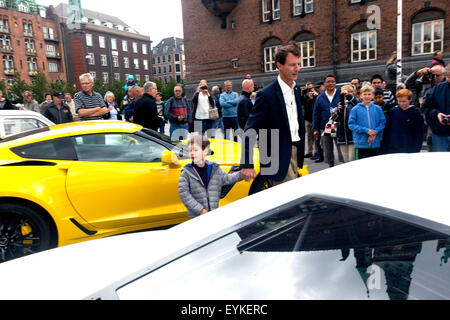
<point>85,101</point>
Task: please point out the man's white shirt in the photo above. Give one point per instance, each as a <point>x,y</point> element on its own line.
<point>291,108</point>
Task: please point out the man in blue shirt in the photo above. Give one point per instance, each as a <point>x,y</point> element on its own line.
<point>229,101</point>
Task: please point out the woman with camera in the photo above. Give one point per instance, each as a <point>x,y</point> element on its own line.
<point>202,102</point>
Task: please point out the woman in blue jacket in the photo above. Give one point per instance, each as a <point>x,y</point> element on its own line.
<point>367,123</point>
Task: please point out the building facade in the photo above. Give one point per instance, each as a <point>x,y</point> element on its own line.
<point>30,41</point>
<point>168,60</point>
<point>343,37</point>
<point>106,47</point>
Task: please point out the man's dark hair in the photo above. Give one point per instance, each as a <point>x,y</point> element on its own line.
<point>359,80</point>
<point>376,76</point>
<point>329,76</point>
<point>378,92</point>
<point>282,52</point>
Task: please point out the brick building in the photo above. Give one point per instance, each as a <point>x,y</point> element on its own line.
<point>106,47</point>
<point>168,60</point>
<point>341,37</point>
<point>30,41</point>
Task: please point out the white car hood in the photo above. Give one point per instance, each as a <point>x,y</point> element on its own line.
<point>414,184</point>
<point>75,271</point>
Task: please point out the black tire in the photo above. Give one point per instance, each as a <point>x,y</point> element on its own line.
<point>23,231</point>
<point>260,183</point>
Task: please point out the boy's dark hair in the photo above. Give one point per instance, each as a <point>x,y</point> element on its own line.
<point>359,80</point>
<point>282,52</point>
<point>329,76</point>
<point>376,76</point>
<point>200,141</point>
<point>378,92</point>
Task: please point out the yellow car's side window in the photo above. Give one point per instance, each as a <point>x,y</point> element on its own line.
<point>117,147</point>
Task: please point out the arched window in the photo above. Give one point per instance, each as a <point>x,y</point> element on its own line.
<point>8,64</point>
<point>427,31</point>
<point>307,44</point>
<point>363,43</point>
<point>32,65</point>
<point>270,46</point>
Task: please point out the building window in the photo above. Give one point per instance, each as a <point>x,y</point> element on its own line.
<point>364,46</point>
<point>427,37</point>
<point>49,33</point>
<point>126,62</point>
<point>91,59</point>
<point>52,67</point>
<point>115,61</point>
<point>169,58</point>
<point>269,59</point>
<point>93,74</point>
<point>8,64</point>
<point>178,78</point>
<point>32,66</point>
<point>136,63</point>
<point>147,77</point>
<point>307,53</point>
<point>138,78</point>
<point>177,68</point>
<point>124,45</point>
<point>144,49</point>
<point>145,63</point>
<point>298,6</point>
<point>103,60</point>
<point>4,26</point>
<point>113,44</point>
<point>135,47</point>
<point>117,76</point>
<point>170,68</point>
<point>270,10</point>
<point>89,40</point>
<point>22,7</point>
<point>177,57</point>
<point>158,59</point>
<point>27,29</point>
<point>105,77</point>
<point>101,42</point>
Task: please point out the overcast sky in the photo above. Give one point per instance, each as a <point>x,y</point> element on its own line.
<point>158,19</point>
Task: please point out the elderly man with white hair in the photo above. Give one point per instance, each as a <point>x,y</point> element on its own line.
<point>436,108</point>
<point>145,109</point>
<point>89,104</point>
<point>245,104</point>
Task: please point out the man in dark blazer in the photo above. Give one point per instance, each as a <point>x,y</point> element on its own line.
<point>145,109</point>
<point>278,109</point>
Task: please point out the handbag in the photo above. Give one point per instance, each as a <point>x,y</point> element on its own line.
<point>213,113</point>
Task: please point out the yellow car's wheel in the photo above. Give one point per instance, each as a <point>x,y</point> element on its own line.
<point>22,231</point>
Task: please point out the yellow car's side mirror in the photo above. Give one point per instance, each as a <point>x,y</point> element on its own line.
<point>169,158</point>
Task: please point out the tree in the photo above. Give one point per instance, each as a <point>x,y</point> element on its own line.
<point>15,92</point>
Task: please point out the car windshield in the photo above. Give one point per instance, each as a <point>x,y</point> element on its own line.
<point>24,134</point>
<point>179,147</point>
<point>312,249</point>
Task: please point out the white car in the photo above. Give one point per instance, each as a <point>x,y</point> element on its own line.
<point>377,228</point>
<point>17,121</point>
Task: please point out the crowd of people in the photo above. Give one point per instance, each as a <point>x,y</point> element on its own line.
<point>360,119</point>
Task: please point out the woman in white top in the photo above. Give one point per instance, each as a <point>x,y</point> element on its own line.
<point>202,102</point>
<point>114,109</point>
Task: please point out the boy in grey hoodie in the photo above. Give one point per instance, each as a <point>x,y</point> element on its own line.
<point>201,181</point>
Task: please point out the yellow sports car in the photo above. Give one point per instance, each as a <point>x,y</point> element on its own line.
<point>73,182</point>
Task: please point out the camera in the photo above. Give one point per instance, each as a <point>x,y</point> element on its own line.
<point>428,78</point>
<point>446,120</point>
<point>204,87</point>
